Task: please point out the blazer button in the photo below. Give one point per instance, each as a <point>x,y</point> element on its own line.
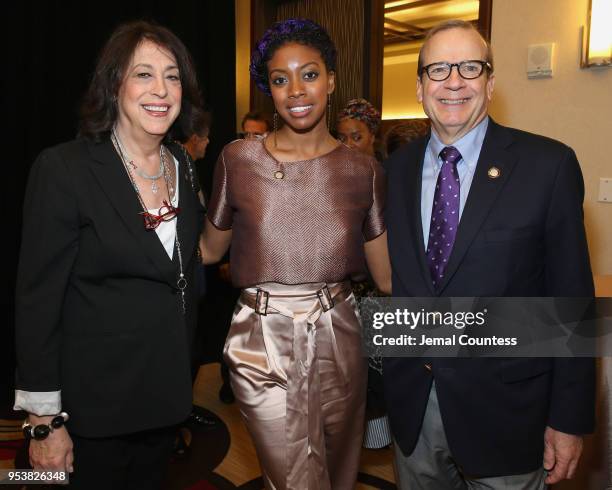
<point>427,366</point>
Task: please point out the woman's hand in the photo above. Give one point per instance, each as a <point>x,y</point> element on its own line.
<point>379,265</point>
<point>53,453</point>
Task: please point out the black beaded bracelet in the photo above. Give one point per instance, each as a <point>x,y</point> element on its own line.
<point>42,431</point>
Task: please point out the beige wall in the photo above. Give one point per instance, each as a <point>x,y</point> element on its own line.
<point>243,55</point>
<point>399,91</point>
<point>575,106</point>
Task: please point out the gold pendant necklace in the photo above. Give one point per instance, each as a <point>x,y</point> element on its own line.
<point>278,174</point>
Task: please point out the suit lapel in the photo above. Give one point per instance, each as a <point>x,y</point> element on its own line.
<point>415,181</point>
<point>483,193</point>
<point>113,178</point>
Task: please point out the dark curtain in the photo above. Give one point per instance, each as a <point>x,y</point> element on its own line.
<point>52,47</point>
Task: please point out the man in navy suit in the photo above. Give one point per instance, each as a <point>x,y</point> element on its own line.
<point>478,209</point>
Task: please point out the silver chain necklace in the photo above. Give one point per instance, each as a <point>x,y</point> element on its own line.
<point>154,178</point>
<point>181,282</point>
<point>142,173</point>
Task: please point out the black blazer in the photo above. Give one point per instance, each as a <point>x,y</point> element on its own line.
<point>98,314</point>
<point>520,234</point>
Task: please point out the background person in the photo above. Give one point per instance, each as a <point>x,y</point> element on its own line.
<point>106,301</point>
<point>356,126</point>
<point>303,213</point>
<point>194,145</point>
<point>405,132</point>
<point>255,125</point>
<point>492,212</point>
<point>217,305</point>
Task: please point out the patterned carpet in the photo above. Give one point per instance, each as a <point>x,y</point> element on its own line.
<point>11,437</point>
<point>208,449</point>
<point>193,472</point>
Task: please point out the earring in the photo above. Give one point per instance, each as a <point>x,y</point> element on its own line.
<point>328,111</point>
<point>275,125</point>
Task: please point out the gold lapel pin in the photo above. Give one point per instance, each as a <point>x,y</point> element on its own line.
<point>494,173</point>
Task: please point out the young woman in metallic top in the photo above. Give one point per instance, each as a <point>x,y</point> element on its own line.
<point>303,213</point>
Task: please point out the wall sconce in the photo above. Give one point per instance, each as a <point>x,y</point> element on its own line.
<point>597,36</point>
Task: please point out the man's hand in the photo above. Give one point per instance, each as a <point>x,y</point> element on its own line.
<point>53,453</point>
<point>561,454</point>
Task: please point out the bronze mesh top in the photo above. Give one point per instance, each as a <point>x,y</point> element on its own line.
<point>308,226</point>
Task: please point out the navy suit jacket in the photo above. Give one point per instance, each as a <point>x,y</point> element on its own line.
<point>520,234</point>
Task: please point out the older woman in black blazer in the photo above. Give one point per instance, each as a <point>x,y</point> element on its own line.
<point>105,297</point>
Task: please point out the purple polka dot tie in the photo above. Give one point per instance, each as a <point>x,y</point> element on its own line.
<point>444,215</point>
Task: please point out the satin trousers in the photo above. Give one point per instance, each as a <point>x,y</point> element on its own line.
<point>299,377</point>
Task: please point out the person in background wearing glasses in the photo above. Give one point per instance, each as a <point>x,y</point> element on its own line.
<point>196,143</point>
<point>479,209</point>
<point>255,126</point>
<point>106,301</point>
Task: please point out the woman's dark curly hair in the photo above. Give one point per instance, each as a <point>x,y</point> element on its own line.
<point>301,31</point>
<point>98,111</point>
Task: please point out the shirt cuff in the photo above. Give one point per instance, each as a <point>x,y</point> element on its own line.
<point>38,402</point>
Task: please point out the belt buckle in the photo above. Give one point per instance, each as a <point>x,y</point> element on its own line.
<point>325,298</point>
<point>261,302</point>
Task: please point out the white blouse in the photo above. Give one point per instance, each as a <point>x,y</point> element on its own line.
<point>166,231</point>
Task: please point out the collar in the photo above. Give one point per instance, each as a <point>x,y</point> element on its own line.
<point>469,145</point>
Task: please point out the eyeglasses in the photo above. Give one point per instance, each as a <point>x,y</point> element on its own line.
<point>252,136</point>
<point>166,213</point>
<point>468,70</point>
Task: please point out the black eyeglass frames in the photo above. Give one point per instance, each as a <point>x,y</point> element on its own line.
<point>468,69</point>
